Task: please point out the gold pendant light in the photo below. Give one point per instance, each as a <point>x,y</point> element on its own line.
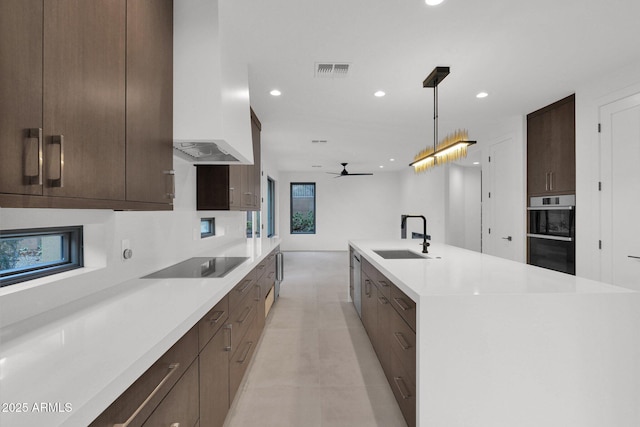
<point>453,146</point>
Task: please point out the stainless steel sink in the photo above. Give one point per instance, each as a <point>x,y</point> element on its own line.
<point>400,254</point>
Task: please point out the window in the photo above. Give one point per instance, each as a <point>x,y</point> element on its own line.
<point>303,208</point>
<point>271,207</point>
<point>33,253</point>
<point>207,227</point>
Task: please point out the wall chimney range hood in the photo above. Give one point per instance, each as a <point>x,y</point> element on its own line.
<point>211,119</point>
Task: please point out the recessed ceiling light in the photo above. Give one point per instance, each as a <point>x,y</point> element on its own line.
<point>392,160</point>
<point>476,163</point>
<point>381,166</point>
<point>433,2</point>
<point>379,94</point>
<point>275,92</point>
<point>482,95</point>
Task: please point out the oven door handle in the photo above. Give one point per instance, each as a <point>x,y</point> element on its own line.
<point>549,237</point>
<point>550,208</point>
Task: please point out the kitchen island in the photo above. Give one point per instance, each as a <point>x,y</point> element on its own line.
<point>65,366</point>
<point>501,343</point>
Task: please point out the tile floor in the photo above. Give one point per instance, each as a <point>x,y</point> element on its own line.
<point>314,365</point>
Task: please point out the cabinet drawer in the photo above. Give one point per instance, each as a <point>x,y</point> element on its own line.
<point>383,284</point>
<point>242,317</point>
<point>404,389</point>
<point>402,341</point>
<point>241,290</point>
<point>213,321</point>
<point>404,305</point>
<point>181,406</point>
<point>240,360</point>
<point>368,269</point>
<point>161,375</point>
<point>260,269</point>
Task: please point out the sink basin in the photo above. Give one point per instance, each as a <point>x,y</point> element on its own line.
<point>400,254</point>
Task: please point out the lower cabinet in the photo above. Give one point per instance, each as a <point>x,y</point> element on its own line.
<point>180,407</point>
<point>389,317</point>
<point>196,380</point>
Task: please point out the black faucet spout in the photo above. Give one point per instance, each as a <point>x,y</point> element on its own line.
<point>403,225</point>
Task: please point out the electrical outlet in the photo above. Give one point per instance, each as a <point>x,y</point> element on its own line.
<point>125,250</point>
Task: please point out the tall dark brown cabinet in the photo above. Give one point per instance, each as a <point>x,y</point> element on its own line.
<point>551,149</point>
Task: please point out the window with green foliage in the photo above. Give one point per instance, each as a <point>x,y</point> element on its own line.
<point>303,208</point>
<point>33,253</point>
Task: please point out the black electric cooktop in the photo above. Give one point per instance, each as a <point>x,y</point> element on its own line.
<point>209,267</point>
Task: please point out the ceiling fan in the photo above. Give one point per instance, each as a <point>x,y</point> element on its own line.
<point>346,173</point>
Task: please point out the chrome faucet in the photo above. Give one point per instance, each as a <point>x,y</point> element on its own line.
<point>403,231</point>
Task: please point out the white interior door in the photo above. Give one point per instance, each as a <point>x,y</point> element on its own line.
<point>620,198</point>
<point>505,204</point>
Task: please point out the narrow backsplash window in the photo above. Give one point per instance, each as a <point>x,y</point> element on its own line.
<point>32,253</point>
<point>207,227</point>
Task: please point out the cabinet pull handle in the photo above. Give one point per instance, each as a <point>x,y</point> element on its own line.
<point>175,425</point>
<point>402,304</point>
<point>34,135</point>
<point>244,318</point>
<point>383,300</point>
<point>58,182</point>
<point>270,275</point>
<point>245,287</point>
<point>402,387</point>
<point>171,193</point>
<point>173,368</point>
<point>633,256</point>
<point>243,358</point>
<point>402,340</point>
<point>257,298</point>
<point>551,181</point>
<point>231,192</point>
<point>229,328</point>
<point>216,318</point>
<point>383,283</point>
<point>367,287</point>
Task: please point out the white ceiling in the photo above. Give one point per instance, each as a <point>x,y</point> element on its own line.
<point>525,54</point>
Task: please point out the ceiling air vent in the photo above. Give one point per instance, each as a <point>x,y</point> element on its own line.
<point>318,141</point>
<point>331,70</point>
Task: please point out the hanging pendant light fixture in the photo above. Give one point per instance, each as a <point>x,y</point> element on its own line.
<point>453,146</point>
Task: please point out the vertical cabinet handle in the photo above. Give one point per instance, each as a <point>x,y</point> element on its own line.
<point>546,181</point>
<point>231,193</point>
<point>171,186</point>
<point>33,157</point>
<point>57,169</point>
<point>173,368</point>
<point>228,328</point>
<point>257,298</point>
<point>551,181</point>
<point>402,387</point>
<point>244,317</point>
<point>367,287</point>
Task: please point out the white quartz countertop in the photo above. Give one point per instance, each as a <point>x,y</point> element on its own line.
<point>450,270</point>
<point>79,358</point>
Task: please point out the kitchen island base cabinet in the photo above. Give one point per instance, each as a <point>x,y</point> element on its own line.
<point>389,317</point>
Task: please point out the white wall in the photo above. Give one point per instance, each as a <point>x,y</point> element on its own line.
<point>464,207</point>
<point>358,207</point>
<point>425,194</point>
<point>158,239</point>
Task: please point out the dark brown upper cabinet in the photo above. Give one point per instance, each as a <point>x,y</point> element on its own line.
<point>232,187</point>
<point>86,111</point>
<point>149,101</point>
<point>21,96</point>
<point>551,142</point>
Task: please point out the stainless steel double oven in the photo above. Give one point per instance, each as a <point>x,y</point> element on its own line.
<point>552,233</point>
